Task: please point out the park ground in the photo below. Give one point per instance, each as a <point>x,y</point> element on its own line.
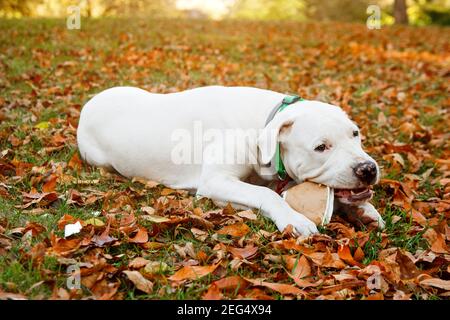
<point>141,240</point>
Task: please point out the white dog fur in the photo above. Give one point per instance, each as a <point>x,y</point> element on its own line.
<point>132,131</point>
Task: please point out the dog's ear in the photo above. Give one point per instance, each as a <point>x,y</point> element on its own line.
<point>270,135</point>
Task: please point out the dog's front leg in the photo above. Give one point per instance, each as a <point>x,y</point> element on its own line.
<point>230,189</point>
<point>364,213</point>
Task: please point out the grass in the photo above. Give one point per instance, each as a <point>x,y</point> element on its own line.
<point>47,73</point>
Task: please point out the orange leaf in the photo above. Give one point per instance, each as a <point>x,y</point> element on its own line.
<point>243,253</point>
<point>66,219</point>
<point>50,185</point>
<point>437,283</point>
<point>140,237</point>
<point>34,227</point>
<point>326,259</point>
<point>192,272</point>
<point>436,241</point>
<point>376,296</point>
<point>63,246</point>
<point>104,237</point>
<point>231,283</point>
<point>139,281</point>
<point>278,287</point>
<point>213,293</point>
<point>359,254</point>
<point>235,230</point>
<point>138,262</point>
<point>75,162</point>
<point>345,254</point>
<point>302,268</point>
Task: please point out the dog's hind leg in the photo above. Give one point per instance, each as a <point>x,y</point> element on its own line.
<point>223,204</point>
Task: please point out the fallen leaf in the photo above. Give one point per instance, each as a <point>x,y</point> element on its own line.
<point>104,237</point>
<point>231,283</point>
<point>94,222</point>
<point>156,267</point>
<point>148,210</point>
<point>244,253</point>
<point>154,218</point>
<point>34,227</point>
<point>11,296</point>
<point>278,287</point>
<point>437,283</point>
<point>359,254</point>
<point>345,254</point>
<point>139,281</point>
<point>436,241</point>
<point>50,185</point>
<point>192,272</point>
<point>247,214</point>
<point>140,237</point>
<point>235,230</point>
<point>301,268</point>
<point>213,293</point>
<point>63,246</point>
<point>138,263</point>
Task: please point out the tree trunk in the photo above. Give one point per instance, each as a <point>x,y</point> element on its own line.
<point>401,17</point>
<point>88,8</point>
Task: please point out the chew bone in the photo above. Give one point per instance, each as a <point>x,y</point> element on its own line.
<point>313,200</point>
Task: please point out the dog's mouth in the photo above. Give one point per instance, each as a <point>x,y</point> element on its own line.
<point>354,195</point>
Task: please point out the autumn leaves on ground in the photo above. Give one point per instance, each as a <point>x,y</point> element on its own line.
<point>141,240</point>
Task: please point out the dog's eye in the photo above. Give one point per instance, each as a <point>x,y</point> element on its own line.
<point>321,148</point>
<point>355,133</point>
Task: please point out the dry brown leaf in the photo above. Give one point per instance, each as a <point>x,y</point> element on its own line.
<point>235,230</point>
<point>192,272</point>
<point>50,185</point>
<point>139,281</point>
<point>243,253</point>
<point>213,293</point>
<point>359,254</point>
<point>346,255</point>
<point>301,268</point>
<point>231,283</point>
<point>138,263</point>
<point>247,214</point>
<point>436,241</point>
<point>326,259</point>
<point>141,236</point>
<point>437,283</point>
<point>63,246</point>
<point>278,287</point>
<point>11,296</point>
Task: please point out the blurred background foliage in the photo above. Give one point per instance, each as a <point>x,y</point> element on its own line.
<point>414,12</point>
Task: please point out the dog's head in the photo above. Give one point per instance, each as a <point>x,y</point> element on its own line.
<point>319,143</point>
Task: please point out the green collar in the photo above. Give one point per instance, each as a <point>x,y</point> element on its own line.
<point>279,166</point>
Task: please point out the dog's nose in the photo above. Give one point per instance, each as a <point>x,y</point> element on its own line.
<point>366,172</point>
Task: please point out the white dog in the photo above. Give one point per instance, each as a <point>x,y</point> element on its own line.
<point>215,140</point>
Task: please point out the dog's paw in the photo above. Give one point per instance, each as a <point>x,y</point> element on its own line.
<point>301,225</point>
<point>368,214</point>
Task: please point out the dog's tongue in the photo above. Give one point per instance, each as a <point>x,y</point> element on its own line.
<point>353,194</point>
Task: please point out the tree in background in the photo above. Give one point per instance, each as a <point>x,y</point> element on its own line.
<point>268,9</point>
<point>89,8</point>
<point>416,12</point>
<point>317,10</point>
<point>400,14</point>
<point>16,8</point>
<point>342,10</point>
